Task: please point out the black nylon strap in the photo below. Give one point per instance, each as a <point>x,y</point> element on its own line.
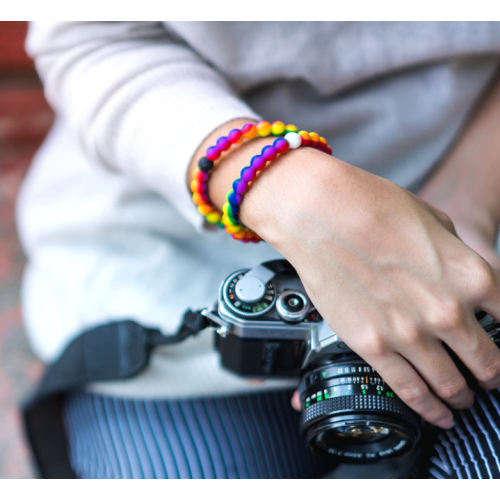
<point>115,351</point>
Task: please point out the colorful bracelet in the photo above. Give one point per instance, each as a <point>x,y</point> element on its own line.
<point>201,174</point>
<point>231,208</point>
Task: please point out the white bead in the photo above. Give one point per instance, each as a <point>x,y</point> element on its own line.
<point>293,139</point>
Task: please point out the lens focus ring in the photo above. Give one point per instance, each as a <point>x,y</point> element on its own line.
<point>356,403</point>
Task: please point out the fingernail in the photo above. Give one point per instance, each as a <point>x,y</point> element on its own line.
<point>446,423</point>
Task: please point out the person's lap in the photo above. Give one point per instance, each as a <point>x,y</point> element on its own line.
<point>244,436</point>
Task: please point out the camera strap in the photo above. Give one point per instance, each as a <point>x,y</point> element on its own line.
<point>115,351</point>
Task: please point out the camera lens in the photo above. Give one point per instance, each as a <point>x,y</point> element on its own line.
<point>292,305</point>
<point>350,414</point>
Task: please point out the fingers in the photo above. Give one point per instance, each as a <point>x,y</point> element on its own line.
<point>441,374</point>
<point>479,353</point>
<point>296,401</point>
<point>409,386</point>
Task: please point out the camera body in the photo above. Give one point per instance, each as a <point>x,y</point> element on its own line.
<point>268,327</point>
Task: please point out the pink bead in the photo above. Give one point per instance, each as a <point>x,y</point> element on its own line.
<point>234,136</point>
<point>213,153</point>
<point>223,144</point>
<point>269,153</point>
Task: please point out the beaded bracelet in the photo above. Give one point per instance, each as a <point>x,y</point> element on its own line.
<point>231,208</point>
<point>201,174</point>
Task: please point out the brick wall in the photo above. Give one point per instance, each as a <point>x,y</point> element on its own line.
<point>25,116</point>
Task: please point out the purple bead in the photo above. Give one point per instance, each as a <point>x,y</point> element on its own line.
<point>248,174</point>
<point>234,198</point>
<point>258,162</point>
<point>223,144</point>
<point>269,153</point>
<point>240,186</point>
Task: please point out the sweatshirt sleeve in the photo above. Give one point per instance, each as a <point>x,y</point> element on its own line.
<point>139,99</point>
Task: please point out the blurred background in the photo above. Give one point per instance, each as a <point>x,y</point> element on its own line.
<point>24,120</point>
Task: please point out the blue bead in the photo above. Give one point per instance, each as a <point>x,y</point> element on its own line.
<point>235,209</point>
<point>234,198</point>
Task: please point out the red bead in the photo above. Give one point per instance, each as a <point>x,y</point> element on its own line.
<point>202,176</point>
<point>281,145</point>
<point>329,150</point>
<point>213,153</point>
<point>235,136</point>
<point>223,144</point>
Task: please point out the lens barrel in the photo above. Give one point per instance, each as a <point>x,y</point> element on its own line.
<point>349,413</point>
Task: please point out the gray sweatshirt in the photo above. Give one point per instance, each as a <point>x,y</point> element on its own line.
<point>105,214</point>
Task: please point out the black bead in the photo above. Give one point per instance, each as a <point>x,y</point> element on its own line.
<point>205,165</point>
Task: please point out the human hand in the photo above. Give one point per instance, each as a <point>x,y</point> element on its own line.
<point>387,272</point>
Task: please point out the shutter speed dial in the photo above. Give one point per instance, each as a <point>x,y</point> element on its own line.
<point>248,296</point>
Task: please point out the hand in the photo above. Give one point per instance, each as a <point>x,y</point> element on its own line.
<point>387,272</point>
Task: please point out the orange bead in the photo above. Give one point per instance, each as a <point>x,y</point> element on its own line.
<point>205,209</point>
<point>233,229</point>
<point>200,199</point>
<point>323,140</point>
<point>314,136</point>
<point>197,186</point>
<point>240,235</point>
<point>249,132</point>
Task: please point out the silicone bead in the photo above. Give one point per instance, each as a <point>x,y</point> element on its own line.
<point>240,235</point>
<point>291,128</point>
<point>281,145</point>
<point>225,207</point>
<point>200,199</point>
<point>214,217</point>
<point>314,139</point>
<point>235,136</point>
<point>329,150</point>
<point>234,229</point>
<point>223,144</point>
<point>205,209</point>
<point>240,186</point>
<point>200,176</point>
<point>293,139</point>
<point>248,174</point>
<point>233,211</point>
<point>258,162</point>
<point>278,128</point>
<point>205,165</point>
<point>249,131</point>
<point>323,141</point>
<point>269,153</point>
<point>263,128</point>
<point>306,139</point>
<point>234,198</point>
<point>198,187</point>
<point>213,153</point>
<point>229,220</point>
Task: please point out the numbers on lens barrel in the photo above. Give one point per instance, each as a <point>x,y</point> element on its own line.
<point>345,381</point>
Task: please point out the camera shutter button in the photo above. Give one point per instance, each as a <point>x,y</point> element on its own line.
<point>250,289</point>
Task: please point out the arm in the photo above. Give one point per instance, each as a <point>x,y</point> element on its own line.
<point>139,100</point>
<point>467,184</point>
<point>385,269</point>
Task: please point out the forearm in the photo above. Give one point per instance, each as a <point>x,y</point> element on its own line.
<point>470,174</point>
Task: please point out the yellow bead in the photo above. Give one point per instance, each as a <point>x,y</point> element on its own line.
<point>291,128</point>
<point>205,209</point>
<point>233,229</point>
<point>323,140</point>
<point>314,136</point>
<point>277,128</point>
<point>226,221</point>
<point>214,217</point>
<point>264,128</point>
<point>225,207</point>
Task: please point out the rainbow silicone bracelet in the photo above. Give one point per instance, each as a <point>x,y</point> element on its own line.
<point>231,208</point>
<point>201,174</point>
